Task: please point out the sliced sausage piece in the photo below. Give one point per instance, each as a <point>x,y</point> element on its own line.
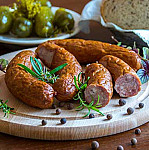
<point>100,83</point>
<point>24,86</point>
<point>53,56</point>
<point>127,83</point>
<point>87,51</point>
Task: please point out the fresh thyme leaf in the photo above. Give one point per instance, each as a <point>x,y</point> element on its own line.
<point>80,97</point>
<point>39,64</point>
<point>79,78</point>
<point>29,70</point>
<point>97,101</point>
<point>38,71</point>
<point>75,81</point>
<point>89,110</point>
<point>58,68</point>
<point>80,109</point>
<point>5,108</point>
<point>42,73</point>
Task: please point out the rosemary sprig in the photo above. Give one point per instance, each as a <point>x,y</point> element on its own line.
<point>5,108</point>
<point>42,73</point>
<point>80,97</point>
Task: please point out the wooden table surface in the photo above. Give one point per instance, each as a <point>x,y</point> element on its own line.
<point>8,142</point>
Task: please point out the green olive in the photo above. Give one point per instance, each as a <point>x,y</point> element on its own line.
<point>63,20</point>
<point>22,27</point>
<point>45,3</point>
<point>43,22</point>
<point>5,19</point>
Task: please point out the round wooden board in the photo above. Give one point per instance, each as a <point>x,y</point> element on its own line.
<point>27,120</point>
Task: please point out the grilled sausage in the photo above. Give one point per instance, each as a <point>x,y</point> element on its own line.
<point>87,51</point>
<point>24,86</point>
<point>127,83</point>
<point>52,56</point>
<point>100,83</point>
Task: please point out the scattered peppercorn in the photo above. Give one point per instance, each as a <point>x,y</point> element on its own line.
<point>141,105</point>
<point>95,145</point>
<point>70,106</point>
<point>109,116</point>
<point>133,141</point>
<point>63,120</point>
<point>137,131</point>
<point>53,106</point>
<point>61,104</point>
<point>120,147</point>
<point>122,102</point>
<point>58,111</point>
<point>44,122</point>
<point>130,111</point>
<point>91,116</point>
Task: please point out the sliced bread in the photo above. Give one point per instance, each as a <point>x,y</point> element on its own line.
<point>127,14</point>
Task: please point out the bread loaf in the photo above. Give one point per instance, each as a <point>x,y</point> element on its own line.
<point>127,14</point>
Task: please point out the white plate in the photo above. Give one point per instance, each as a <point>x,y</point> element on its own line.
<point>36,40</point>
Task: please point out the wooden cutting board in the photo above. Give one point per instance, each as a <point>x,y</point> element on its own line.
<point>27,120</point>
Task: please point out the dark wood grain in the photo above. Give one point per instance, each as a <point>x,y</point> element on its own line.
<point>8,142</point>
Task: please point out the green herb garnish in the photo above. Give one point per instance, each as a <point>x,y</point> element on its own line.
<point>3,64</point>
<point>80,97</point>
<point>143,74</point>
<point>42,73</point>
<point>5,108</point>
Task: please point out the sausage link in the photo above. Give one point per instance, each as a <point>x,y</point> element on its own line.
<point>53,55</point>
<point>127,83</point>
<point>87,51</point>
<point>100,83</point>
<point>24,86</point>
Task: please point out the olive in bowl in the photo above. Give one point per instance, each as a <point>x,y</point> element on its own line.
<point>22,27</point>
<point>5,19</point>
<point>63,20</point>
<point>43,22</point>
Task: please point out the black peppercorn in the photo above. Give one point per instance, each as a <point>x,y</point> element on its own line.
<point>137,131</point>
<point>109,116</point>
<point>133,141</point>
<point>44,122</point>
<point>141,105</point>
<point>63,120</point>
<point>61,104</point>
<point>95,145</point>
<point>53,106</point>
<point>91,116</point>
<point>70,106</point>
<point>58,111</point>
<point>130,111</point>
<point>120,147</point>
<point>122,102</point>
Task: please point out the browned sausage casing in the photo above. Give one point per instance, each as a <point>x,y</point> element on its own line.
<point>100,83</point>
<point>24,86</point>
<point>53,56</point>
<point>87,51</point>
<point>127,83</point>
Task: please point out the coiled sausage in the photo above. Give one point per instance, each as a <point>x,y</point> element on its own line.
<point>24,86</point>
<point>53,56</point>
